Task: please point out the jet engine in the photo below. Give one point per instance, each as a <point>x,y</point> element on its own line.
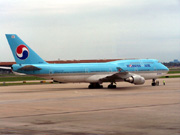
<point>136,79</point>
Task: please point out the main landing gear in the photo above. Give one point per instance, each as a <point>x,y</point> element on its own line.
<point>98,86</point>
<point>155,83</point>
<point>95,86</point>
<point>111,86</point>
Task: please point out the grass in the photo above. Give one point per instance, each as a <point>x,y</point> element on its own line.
<point>176,76</point>
<point>28,83</point>
<point>173,72</point>
<point>19,78</point>
<point>7,78</point>
<point>7,75</point>
<point>174,69</point>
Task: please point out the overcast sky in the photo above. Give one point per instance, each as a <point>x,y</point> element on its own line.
<point>93,29</point>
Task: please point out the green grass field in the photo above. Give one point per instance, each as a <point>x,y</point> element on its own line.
<point>173,72</point>
<point>19,78</point>
<point>27,83</point>
<point>176,76</point>
<point>174,69</point>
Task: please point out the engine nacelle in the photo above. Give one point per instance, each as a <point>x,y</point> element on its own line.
<point>136,79</point>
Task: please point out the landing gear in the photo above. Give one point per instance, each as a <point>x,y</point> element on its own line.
<point>95,86</point>
<point>111,86</point>
<point>155,83</point>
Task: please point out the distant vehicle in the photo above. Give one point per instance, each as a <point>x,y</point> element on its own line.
<point>132,71</point>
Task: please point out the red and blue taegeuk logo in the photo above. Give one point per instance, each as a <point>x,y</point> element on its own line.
<point>22,52</point>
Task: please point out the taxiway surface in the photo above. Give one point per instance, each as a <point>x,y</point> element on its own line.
<point>72,109</point>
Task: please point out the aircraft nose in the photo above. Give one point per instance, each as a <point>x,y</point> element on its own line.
<point>165,68</point>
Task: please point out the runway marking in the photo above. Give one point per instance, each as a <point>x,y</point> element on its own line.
<point>94,110</point>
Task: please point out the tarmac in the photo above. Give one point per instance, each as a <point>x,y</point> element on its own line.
<point>72,109</point>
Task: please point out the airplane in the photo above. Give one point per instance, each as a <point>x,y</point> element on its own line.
<point>134,71</point>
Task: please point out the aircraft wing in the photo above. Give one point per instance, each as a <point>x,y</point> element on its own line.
<point>9,68</point>
<point>98,78</point>
<point>110,77</point>
<point>119,76</point>
<point>124,76</point>
<point>5,68</point>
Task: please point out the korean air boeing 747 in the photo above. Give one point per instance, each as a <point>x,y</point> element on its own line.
<point>133,71</point>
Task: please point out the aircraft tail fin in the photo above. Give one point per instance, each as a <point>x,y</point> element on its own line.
<point>22,53</point>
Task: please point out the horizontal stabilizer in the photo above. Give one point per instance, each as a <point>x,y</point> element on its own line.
<point>29,68</point>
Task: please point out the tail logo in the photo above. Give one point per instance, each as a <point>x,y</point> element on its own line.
<point>22,52</point>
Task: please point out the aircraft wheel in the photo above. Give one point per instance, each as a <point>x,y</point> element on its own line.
<point>95,86</point>
<point>90,86</point>
<point>153,84</point>
<point>111,86</point>
<point>101,86</point>
<point>157,83</point>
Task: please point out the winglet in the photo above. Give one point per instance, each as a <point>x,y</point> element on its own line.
<point>120,70</point>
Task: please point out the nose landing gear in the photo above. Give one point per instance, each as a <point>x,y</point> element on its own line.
<point>155,83</point>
